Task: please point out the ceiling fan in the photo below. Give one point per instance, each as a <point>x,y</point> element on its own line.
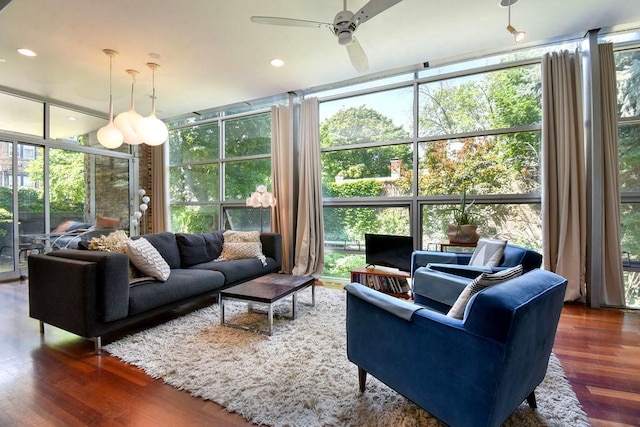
<point>344,25</point>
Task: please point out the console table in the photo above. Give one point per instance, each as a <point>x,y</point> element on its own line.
<point>447,244</point>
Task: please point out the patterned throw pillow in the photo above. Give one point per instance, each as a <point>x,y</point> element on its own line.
<point>114,242</point>
<point>488,252</point>
<point>481,282</point>
<point>241,236</point>
<point>147,259</point>
<point>240,245</point>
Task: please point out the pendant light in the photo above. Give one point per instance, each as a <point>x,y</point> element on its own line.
<point>152,131</point>
<point>110,136</point>
<point>127,121</point>
<point>517,35</point>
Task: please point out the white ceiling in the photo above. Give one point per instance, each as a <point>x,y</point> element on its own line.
<point>212,55</point>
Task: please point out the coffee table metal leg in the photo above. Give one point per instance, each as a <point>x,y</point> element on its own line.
<point>221,311</point>
<point>270,319</point>
<point>294,306</point>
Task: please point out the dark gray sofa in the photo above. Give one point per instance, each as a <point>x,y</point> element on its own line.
<point>89,293</point>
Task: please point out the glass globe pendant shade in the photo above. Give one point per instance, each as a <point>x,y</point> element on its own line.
<point>127,123</point>
<point>109,136</point>
<point>152,130</point>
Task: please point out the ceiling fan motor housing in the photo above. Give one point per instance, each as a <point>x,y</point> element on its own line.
<point>343,27</point>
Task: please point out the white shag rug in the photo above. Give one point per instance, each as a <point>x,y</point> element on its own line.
<point>300,376</point>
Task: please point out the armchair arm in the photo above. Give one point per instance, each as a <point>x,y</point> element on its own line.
<point>395,306</point>
<point>422,258</point>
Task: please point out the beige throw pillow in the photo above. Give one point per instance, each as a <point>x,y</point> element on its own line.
<point>147,259</point>
<point>241,236</point>
<point>481,282</point>
<point>240,245</point>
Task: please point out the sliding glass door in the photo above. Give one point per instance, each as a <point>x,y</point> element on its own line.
<point>7,256</point>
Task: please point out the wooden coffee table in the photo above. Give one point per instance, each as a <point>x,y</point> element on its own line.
<point>267,290</point>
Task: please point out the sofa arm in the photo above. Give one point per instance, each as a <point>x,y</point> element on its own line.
<point>422,258</point>
<point>111,282</point>
<point>62,293</point>
<point>272,247</point>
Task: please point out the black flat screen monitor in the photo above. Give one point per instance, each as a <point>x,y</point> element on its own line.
<point>389,251</point>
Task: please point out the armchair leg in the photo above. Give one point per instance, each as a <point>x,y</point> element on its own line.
<point>362,378</point>
<point>531,400</point>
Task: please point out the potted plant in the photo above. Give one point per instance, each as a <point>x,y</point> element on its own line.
<point>464,228</point>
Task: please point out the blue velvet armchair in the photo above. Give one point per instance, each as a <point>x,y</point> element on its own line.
<point>439,277</point>
<point>470,372</point>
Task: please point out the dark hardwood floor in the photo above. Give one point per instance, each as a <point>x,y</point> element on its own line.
<point>58,381</point>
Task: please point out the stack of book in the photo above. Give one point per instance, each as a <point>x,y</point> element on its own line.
<point>395,285</point>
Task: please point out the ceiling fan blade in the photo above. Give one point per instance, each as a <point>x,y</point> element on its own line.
<point>371,9</point>
<point>358,57</point>
<point>288,22</point>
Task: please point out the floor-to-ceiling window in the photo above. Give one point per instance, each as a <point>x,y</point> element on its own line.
<point>628,82</point>
<point>215,163</point>
<point>397,155</point>
<point>53,172</point>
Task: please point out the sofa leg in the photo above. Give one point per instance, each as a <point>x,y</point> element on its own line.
<point>531,400</point>
<point>362,378</point>
<point>97,345</point>
<point>41,327</point>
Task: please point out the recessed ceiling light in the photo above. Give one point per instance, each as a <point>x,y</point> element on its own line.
<point>72,118</point>
<point>2,60</point>
<point>155,55</point>
<point>277,62</point>
<point>26,52</point>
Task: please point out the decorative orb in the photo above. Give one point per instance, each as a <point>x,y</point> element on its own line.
<point>109,136</point>
<point>146,199</point>
<point>127,122</point>
<point>141,192</point>
<point>137,214</point>
<point>134,222</point>
<point>152,130</point>
<point>144,207</point>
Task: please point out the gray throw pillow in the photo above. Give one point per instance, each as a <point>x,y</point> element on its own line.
<point>481,282</point>
<point>488,253</point>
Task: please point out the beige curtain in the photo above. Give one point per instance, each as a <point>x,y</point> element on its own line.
<point>159,188</point>
<point>282,176</point>
<point>612,291</point>
<point>564,231</point>
<point>309,234</point>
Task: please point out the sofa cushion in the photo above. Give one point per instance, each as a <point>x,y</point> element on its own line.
<point>198,248</point>
<point>239,270</point>
<point>165,242</point>
<point>488,252</point>
<point>180,285</point>
<point>481,282</point>
<point>147,259</point>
